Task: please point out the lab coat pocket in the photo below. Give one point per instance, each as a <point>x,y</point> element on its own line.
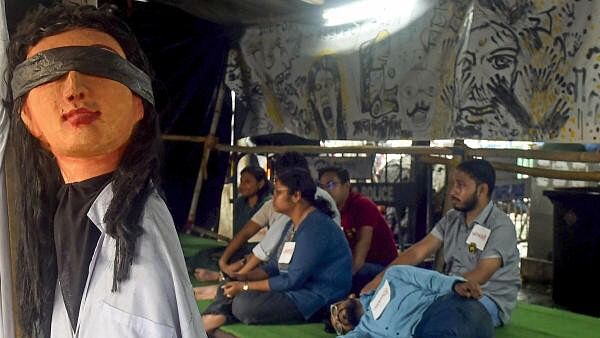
<point>122,324</point>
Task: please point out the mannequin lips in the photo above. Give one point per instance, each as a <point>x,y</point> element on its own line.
<point>81,116</point>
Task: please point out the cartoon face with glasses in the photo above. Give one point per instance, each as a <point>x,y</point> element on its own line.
<point>417,92</point>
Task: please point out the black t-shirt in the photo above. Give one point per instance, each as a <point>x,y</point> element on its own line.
<point>75,238</point>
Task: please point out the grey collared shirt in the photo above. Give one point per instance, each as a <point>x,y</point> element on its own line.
<point>503,285</point>
<point>156,300</point>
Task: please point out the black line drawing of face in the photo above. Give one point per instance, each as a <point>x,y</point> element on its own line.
<point>325,98</point>
<point>486,68</point>
<point>376,98</point>
<point>417,92</point>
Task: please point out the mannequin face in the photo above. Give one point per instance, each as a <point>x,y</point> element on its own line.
<point>81,115</point>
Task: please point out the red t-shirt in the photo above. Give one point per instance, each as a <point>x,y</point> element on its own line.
<point>360,211</point>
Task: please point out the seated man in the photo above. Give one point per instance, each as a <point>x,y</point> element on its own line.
<point>369,235</point>
<point>480,242</point>
<point>414,302</point>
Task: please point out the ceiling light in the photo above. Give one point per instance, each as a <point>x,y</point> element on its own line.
<point>362,10</point>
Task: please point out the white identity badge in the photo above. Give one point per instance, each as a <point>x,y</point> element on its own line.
<point>479,235</point>
<point>381,300</point>
<point>287,252</point>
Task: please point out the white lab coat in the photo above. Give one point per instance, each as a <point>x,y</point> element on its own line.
<point>156,301</point>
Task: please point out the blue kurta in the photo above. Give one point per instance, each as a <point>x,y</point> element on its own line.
<point>320,271</point>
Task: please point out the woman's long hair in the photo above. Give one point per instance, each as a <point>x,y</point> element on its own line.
<point>259,174</point>
<point>299,180</point>
<point>38,177</point>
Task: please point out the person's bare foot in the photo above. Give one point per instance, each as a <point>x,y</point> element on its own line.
<point>212,322</point>
<point>205,292</point>
<point>204,275</point>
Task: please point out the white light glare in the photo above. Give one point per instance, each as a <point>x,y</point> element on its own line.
<point>368,9</point>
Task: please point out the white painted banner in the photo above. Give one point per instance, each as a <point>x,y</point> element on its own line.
<point>500,70</point>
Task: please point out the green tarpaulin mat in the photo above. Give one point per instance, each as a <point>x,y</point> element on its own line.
<point>528,321</point>
<point>534,321</point>
<point>191,244</point>
<point>272,331</point>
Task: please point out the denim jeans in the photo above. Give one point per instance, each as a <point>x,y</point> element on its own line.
<point>454,316</point>
<point>492,309</point>
<point>254,307</point>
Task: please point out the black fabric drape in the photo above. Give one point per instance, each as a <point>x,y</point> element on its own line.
<point>188,55</point>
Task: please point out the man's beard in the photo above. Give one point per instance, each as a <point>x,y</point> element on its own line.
<point>469,204</point>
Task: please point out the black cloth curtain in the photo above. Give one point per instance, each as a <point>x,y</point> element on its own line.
<point>188,55</point>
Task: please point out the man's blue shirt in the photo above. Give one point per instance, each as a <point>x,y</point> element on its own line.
<point>413,290</point>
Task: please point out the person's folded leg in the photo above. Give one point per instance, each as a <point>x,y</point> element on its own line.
<point>221,306</point>
<point>254,307</point>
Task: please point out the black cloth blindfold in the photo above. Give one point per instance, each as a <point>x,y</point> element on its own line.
<point>51,64</point>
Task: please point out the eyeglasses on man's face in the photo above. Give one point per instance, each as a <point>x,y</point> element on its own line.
<point>330,185</point>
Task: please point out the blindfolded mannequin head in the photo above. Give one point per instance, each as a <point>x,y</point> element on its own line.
<point>80,85</point>
<point>81,115</point>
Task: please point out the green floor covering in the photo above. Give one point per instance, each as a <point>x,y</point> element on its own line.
<point>528,321</point>
<point>191,244</point>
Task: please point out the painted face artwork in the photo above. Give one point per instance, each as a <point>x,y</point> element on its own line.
<point>326,93</point>
<point>324,88</point>
<point>417,91</point>
<point>80,115</point>
<point>486,67</point>
<point>378,89</point>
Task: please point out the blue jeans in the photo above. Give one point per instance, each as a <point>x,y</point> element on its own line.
<point>364,276</point>
<point>454,316</point>
<point>492,309</point>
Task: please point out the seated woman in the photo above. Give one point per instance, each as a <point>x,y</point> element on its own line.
<point>312,269</point>
<point>411,302</point>
<point>254,190</point>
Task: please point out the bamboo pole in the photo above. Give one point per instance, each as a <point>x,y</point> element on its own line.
<point>208,146</point>
<point>535,172</point>
<point>437,160</point>
<point>417,150</point>
<point>549,173</point>
<point>184,138</point>
<point>431,155</point>
<point>569,156</point>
